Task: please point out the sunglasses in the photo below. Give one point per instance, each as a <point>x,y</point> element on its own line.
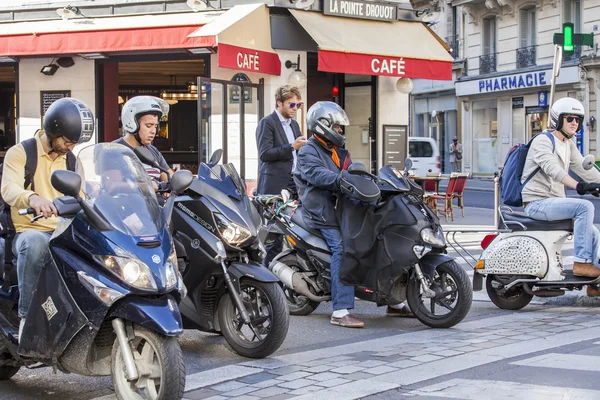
<point>296,105</point>
<point>571,119</point>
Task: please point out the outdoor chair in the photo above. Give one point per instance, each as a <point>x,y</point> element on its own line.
<point>459,189</point>
<point>446,198</point>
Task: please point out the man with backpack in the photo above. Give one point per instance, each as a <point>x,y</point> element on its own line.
<point>27,169</point>
<point>545,175</point>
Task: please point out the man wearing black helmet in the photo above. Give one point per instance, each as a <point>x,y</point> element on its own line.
<point>67,122</point>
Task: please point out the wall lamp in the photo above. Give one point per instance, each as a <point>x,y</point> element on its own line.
<point>197,5</point>
<point>296,78</point>
<point>49,69</point>
<point>68,12</point>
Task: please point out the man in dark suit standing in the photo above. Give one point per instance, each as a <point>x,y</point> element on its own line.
<point>278,139</point>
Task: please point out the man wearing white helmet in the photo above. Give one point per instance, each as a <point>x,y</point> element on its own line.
<point>141,118</point>
<point>544,195</point>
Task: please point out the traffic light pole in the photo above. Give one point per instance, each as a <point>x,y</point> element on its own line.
<point>555,73</point>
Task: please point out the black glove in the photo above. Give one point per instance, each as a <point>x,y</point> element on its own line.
<point>588,188</point>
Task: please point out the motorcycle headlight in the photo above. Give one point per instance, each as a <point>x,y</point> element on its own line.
<point>434,238</point>
<point>231,232</point>
<point>132,271</point>
<point>171,274</point>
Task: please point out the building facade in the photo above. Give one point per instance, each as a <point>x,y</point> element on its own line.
<point>504,93</point>
<point>217,63</point>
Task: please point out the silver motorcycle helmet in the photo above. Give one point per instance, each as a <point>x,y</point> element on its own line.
<point>139,106</point>
<point>321,118</point>
<point>563,107</point>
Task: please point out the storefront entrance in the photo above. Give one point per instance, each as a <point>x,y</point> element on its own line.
<point>8,108</point>
<point>228,123</point>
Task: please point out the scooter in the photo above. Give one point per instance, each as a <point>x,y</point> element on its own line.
<point>526,259</point>
<point>410,264</point>
<point>215,228</point>
<point>106,304</point>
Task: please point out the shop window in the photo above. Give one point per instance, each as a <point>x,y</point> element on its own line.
<point>485,137</point>
<point>8,108</point>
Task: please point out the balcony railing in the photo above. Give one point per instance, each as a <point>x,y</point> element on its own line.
<point>487,63</point>
<point>526,57</point>
<point>454,43</point>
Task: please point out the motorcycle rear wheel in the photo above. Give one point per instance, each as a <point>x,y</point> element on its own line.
<point>160,366</point>
<point>453,293</point>
<point>7,371</point>
<point>297,303</point>
<point>269,315</point>
<point>515,299</point>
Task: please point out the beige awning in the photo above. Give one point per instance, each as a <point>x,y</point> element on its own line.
<point>401,48</point>
<point>244,25</point>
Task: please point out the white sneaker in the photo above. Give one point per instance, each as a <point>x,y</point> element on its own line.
<point>21,325</point>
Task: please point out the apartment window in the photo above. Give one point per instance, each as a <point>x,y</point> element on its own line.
<point>527,27</point>
<point>527,33</point>
<point>487,60</point>
<point>489,35</point>
<point>572,13</point>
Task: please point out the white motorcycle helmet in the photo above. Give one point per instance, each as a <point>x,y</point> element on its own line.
<point>563,107</point>
<point>139,106</point>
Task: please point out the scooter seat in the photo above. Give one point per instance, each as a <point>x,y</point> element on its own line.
<point>518,221</point>
<point>298,219</point>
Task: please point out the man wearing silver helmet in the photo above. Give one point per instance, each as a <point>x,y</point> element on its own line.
<point>544,195</point>
<point>141,121</point>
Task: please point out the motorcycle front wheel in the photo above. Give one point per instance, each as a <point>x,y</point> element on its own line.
<point>160,366</point>
<point>269,319</point>
<point>452,300</point>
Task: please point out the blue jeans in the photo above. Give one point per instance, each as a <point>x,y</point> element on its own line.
<point>585,234</point>
<point>32,252</point>
<point>342,295</point>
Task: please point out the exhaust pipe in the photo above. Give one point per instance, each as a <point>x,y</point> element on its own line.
<point>294,281</point>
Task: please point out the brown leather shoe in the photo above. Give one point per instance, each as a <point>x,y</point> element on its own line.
<point>403,312</point>
<point>347,321</point>
<point>588,270</point>
<point>592,291</point>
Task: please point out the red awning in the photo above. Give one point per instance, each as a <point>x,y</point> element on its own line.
<point>174,37</point>
<point>97,35</point>
<point>354,46</point>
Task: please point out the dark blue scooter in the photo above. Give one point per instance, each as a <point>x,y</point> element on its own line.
<point>107,303</point>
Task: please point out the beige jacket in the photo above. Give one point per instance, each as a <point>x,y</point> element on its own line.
<point>547,182</point>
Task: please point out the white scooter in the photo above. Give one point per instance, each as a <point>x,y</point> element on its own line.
<point>525,259</point>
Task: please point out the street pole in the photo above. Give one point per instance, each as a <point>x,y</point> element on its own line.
<point>555,73</point>
<point>496,200</point>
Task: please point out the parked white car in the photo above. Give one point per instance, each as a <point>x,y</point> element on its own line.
<point>425,155</point>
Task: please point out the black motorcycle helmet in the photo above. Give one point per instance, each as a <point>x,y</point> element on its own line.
<point>321,118</point>
<point>69,118</point>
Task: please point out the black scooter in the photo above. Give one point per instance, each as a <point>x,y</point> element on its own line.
<point>107,303</point>
<point>408,261</point>
<point>215,228</point>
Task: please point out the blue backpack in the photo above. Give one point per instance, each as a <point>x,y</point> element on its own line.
<point>512,172</point>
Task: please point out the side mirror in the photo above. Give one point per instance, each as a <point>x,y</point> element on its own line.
<point>181,180</point>
<point>66,182</point>
<point>216,157</point>
<point>588,162</point>
<point>146,157</point>
<point>357,167</point>
<point>408,164</point>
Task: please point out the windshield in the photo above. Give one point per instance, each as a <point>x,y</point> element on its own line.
<point>224,178</point>
<point>116,184</point>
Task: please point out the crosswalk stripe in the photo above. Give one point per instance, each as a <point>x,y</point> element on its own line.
<point>577,362</point>
<point>470,389</point>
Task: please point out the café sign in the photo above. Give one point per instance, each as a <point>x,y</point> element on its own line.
<point>361,9</point>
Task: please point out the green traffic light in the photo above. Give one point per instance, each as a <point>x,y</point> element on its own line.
<point>568,37</point>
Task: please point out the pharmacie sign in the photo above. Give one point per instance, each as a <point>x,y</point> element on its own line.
<point>516,81</point>
<point>361,9</point>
